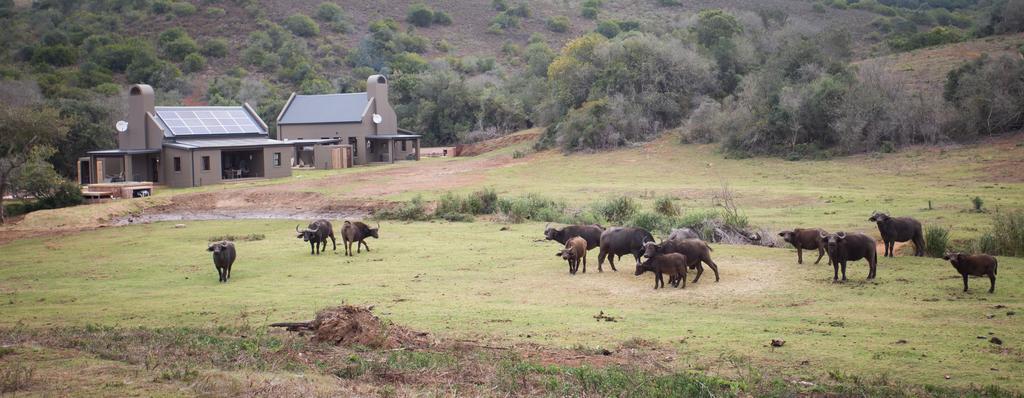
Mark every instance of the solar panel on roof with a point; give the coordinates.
(200, 121)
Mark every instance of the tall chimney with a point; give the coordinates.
(377, 90)
(141, 100)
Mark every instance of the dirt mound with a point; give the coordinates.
(350, 325)
(498, 143)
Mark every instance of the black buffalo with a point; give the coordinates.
(357, 232)
(683, 233)
(696, 252)
(899, 229)
(590, 233)
(316, 234)
(223, 257)
(843, 247)
(619, 241)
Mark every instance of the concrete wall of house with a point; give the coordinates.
(345, 131)
(213, 174)
(140, 169)
(181, 178)
(377, 92)
(274, 171)
(140, 101)
(154, 134)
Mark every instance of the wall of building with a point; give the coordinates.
(272, 171)
(176, 179)
(207, 176)
(344, 131)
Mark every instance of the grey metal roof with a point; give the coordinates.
(224, 143)
(207, 120)
(392, 136)
(313, 141)
(325, 108)
(123, 151)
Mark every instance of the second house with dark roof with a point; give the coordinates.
(364, 121)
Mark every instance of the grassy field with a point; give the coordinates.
(476, 281)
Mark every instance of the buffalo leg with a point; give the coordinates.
(657, 280)
(334, 244)
(228, 274)
(821, 253)
(835, 271)
(700, 271)
(600, 260)
(919, 246)
(965, 281)
(844, 269)
(714, 267)
(584, 263)
(992, 280)
(799, 255)
(364, 244)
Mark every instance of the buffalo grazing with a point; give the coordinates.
(619, 241)
(590, 233)
(316, 234)
(223, 257)
(843, 247)
(695, 250)
(899, 229)
(673, 264)
(357, 232)
(974, 265)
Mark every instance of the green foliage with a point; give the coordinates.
(442, 18)
(329, 12)
(499, 5)
(216, 47)
(618, 210)
(182, 9)
(215, 12)
(177, 44)
(936, 241)
(420, 15)
(609, 29)
(589, 12)
(57, 55)
(670, 2)
(484, 201)
(302, 25)
(666, 205)
(193, 63)
(531, 207)
(978, 204)
(413, 210)
(161, 6)
(988, 96)
(1008, 234)
(652, 222)
(557, 24)
(503, 21)
(935, 36)
(714, 26)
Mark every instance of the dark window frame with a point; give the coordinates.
(206, 163)
(403, 146)
(276, 159)
(177, 164)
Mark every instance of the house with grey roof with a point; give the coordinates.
(365, 122)
(187, 146)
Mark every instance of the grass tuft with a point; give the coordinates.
(936, 241)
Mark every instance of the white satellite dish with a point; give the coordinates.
(121, 126)
(377, 118)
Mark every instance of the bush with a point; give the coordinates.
(193, 63)
(216, 48)
(558, 24)
(986, 243)
(936, 241)
(302, 25)
(988, 96)
(935, 36)
(329, 12)
(667, 206)
(499, 5)
(978, 204)
(609, 29)
(652, 222)
(520, 10)
(420, 15)
(531, 207)
(504, 21)
(618, 210)
(484, 201)
(442, 18)
(670, 2)
(59, 55)
(161, 6)
(182, 9)
(1008, 234)
(215, 12)
(589, 12)
(413, 210)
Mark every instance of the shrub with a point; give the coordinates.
(978, 204)
(302, 25)
(667, 206)
(442, 18)
(520, 10)
(609, 29)
(484, 201)
(59, 55)
(935, 36)
(503, 21)
(531, 207)
(589, 12)
(15, 377)
(936, 241)
(193, 63)
(558, 24)
(670, 2)
(420, 15)
(1008, 234)
(215, 12)
(413, 210)
(986, 243)
(618, 210)
(499, 5)
(161, 6)
(216, 48)
(652, 222)
(329, 12)
(182, 9)
(988, 96)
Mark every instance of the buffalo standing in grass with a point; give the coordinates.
(316, 234)
(223, 258)
(619, 241)
(673, 264)
(590, 233)
(695, 250)
(974, 265)
(899, 229)
(683, 233)
(357, 232)
(575, 251)
(806, 239)
(843, 247)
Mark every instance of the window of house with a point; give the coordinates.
(177, 163)
(206, 163)
(277, 159)
(403, 145)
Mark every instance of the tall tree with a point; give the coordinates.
(25, 133)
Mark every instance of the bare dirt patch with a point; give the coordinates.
(500, 142)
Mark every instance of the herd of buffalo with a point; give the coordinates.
(682, 250)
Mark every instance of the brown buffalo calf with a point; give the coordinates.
(575, 251)
(806, 239)
(672, 264)
(974, 265)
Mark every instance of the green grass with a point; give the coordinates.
(477, 277)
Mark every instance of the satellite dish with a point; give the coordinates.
(377, 118)
(121, 126)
